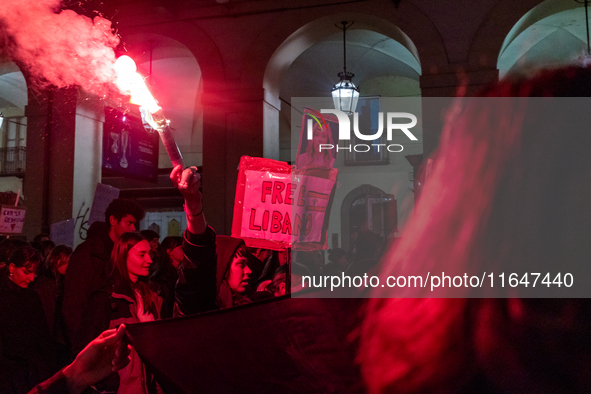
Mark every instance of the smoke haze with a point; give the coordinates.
(59, 48)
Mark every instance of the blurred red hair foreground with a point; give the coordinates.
(510, 190)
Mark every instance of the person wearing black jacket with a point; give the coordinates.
(90, 264)
(27, 355)
(196, 288)
(119, 301)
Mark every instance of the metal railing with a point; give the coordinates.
(12, 160)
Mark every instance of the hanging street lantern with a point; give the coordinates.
(345, 94)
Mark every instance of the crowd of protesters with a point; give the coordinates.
(59, 307)
(54, 301)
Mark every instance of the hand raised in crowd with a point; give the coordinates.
(188, 182)
(106, 354)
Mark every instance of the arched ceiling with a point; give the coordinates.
(175, 79)
(549, 40)
(369, 55)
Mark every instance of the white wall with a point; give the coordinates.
(87, 155)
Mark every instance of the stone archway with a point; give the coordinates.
(550, 34)
(319, 32)
(13, 128)
(175, 79)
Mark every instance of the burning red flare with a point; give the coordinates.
(132, 83)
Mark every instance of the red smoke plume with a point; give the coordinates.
(58, 48)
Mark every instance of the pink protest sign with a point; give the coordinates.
(12, 219)
(277, 209)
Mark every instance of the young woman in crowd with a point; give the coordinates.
(7, 247)
(27, 355)
(57, 261)
(128, 299)
(50, 284)
(509, 192)
(232, 272)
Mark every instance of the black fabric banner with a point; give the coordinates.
(287, 345)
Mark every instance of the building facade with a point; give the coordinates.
(225, 73)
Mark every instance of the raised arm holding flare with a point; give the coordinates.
(196, 288)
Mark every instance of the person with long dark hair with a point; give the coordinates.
(90, 265)
(128, 299)
(131, 259)
(509, 191)
(165, 272)
(27, 355)
(233, 272)
(50, 285)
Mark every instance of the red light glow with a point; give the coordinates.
(132, 83)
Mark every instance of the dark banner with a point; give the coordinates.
(128, 149)
(286, 345)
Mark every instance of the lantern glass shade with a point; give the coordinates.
(345, 94)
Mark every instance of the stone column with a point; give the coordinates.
(63, 157)
(233, 124)
(272, 108)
